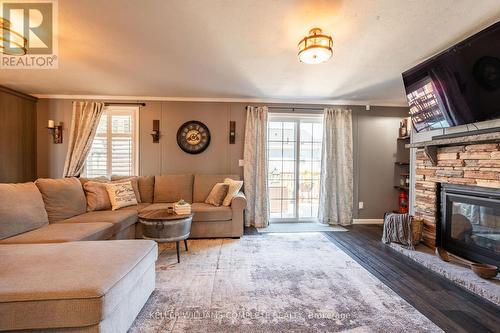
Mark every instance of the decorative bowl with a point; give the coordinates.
(485, 271)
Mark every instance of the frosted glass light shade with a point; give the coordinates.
(315, 48)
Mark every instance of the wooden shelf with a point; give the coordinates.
(404, 188)
(404, 137)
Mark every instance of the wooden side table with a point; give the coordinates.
(163, 226)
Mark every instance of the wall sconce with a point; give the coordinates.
(56, 131)
(156, 131)
(232, 132)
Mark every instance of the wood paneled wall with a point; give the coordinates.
(17, 136)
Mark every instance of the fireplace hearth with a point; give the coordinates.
(469, 223)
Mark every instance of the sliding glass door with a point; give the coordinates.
(294, 143)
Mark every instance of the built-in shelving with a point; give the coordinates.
(402, 165)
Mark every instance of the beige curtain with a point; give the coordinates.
(336, 188)
(255, 168)
(86, 116)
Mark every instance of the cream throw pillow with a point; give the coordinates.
(217, 194)
(121, 195)
(135, 184)
(234, 187)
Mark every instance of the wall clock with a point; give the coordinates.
(193, 137)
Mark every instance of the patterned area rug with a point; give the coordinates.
(272, 283)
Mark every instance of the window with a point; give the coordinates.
(294, 159)
(114, 149)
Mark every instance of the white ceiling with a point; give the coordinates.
(246, 49)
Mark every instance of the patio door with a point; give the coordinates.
(294, 159)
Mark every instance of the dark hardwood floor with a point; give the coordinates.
(449, 306)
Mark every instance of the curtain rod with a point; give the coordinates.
(293, 109)
(124, 104)
(288, 108)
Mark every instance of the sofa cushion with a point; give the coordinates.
(121, 219)
(67, 285)
(136, 208)
(61, 232)
(63, 198)
(21, 209)
(172, 188)
(206, 213)
(203, 184)
(146, 188)
(163, 205)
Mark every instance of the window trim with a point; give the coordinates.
(109, 111)
(296, 119)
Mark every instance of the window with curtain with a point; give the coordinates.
(114, 149)
(294, 164)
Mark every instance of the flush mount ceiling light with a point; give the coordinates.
(11, 42)
(315, 48)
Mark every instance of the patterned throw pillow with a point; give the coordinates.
(234, 187)
(217, 194)
(121, 195)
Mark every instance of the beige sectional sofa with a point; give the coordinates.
(66, 269)
(55, 210)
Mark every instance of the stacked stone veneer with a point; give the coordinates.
(476, 165)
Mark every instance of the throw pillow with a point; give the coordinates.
(234, 187)
(217, 194)
(135, 184)
(121, 195)
(97, 196)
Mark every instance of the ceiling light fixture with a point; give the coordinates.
(315, 48)
(8, 45)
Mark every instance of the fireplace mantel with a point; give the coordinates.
(468, 139)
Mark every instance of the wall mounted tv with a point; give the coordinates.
(458, 86)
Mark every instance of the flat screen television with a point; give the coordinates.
(459, 86)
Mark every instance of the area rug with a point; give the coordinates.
(272, 283)
(299, 227)
(455, 272)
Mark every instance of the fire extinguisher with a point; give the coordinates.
(403, 202)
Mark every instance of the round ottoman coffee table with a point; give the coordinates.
(163, 226)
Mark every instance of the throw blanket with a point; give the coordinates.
(397, 228)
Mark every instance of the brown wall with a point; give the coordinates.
(17, 137)
(374, 137)
(156, 158)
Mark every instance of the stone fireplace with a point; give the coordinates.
(471, 165)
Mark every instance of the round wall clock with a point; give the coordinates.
(193, 137)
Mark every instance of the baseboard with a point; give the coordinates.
(368, 221)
